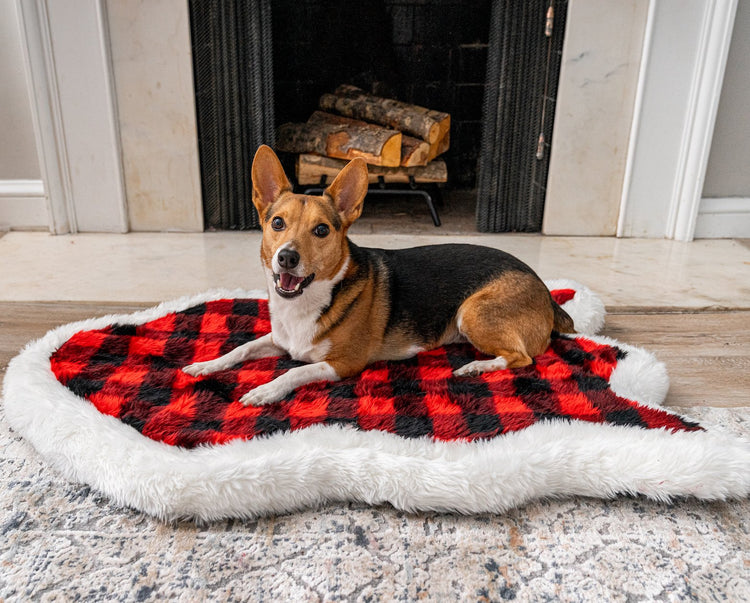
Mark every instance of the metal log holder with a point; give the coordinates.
(383, 188)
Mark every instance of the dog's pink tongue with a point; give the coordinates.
(289, 281)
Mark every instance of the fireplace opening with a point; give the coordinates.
(492, 65)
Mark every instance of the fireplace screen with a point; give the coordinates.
(492, 65)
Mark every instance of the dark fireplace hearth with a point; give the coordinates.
(489, 64)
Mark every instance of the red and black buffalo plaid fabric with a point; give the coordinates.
(132, 372)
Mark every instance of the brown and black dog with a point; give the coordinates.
(340, 307)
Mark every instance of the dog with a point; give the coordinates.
(339, 307)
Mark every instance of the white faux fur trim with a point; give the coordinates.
(586, 308)
(290, 471)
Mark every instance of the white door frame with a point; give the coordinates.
(66, 51)
(682, 70)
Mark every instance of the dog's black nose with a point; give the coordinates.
(288, 258)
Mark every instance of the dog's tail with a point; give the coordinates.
(563, 322)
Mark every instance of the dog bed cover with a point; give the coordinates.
(106, 403)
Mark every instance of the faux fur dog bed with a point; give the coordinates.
(105, 402)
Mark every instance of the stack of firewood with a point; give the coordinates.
(398, 140)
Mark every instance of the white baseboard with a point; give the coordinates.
(23, 205)
(723, 218)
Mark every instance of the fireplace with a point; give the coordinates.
(492, 66)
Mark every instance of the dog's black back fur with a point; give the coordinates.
(428, 284)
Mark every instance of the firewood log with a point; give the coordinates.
(416, 152)
(414, 120)
(342, 138)
(439, 147)
(311, 167)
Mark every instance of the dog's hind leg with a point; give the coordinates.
(510, 319)
(498, 363)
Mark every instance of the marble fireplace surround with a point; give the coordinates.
(115, 114)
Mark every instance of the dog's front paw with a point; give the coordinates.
(267, 393)
(198, 369)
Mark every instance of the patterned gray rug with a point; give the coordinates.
(62, 541)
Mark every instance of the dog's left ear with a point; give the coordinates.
(269, 179)
(348, 190)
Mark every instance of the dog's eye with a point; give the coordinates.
(278, 223)
(321, 230)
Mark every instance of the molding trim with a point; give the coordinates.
(637, 112)
(723, 217)
(120, 208)
(21, 188)
(75, 116)
(713, 50)
(23, 204)
(679, 90)
(46, 114)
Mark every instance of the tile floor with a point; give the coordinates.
(153, 267)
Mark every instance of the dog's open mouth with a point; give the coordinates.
(288, 285)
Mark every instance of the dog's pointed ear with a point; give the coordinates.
(269, 179)
(348, 190)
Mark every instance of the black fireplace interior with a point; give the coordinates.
(432, 54)
(489, 64)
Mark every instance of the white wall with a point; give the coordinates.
(725, 206)
(728, 173)
(22, 202)
(18, 159)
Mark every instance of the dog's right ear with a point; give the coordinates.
(269, 179)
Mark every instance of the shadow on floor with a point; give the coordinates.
(410, 215)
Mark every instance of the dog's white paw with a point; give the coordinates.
(268, 393)
(198, 369)
(477, 367)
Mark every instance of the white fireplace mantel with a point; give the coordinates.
(115, 116)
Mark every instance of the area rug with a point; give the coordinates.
(105, 402)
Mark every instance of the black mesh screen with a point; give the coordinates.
(511, 182)
(232, 64)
